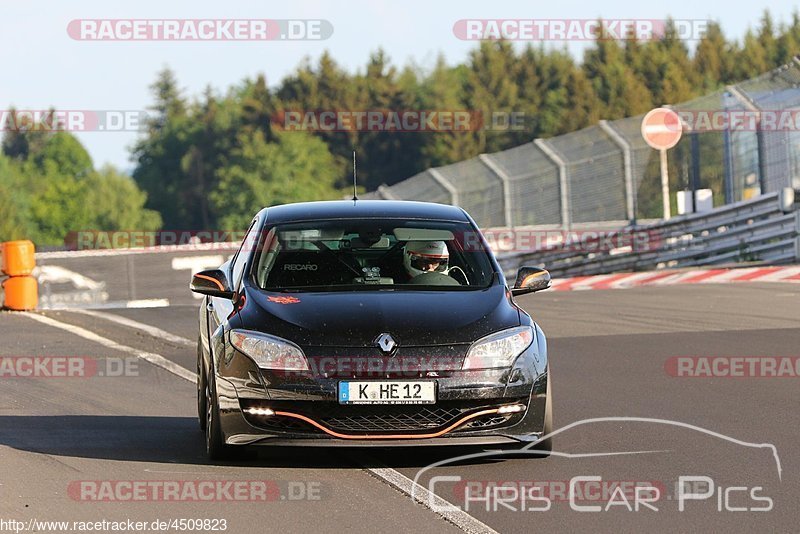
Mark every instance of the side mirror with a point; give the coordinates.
(212, 282)
(530, 279)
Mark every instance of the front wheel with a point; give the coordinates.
(546, 446)
(201, 388)
(216, 449)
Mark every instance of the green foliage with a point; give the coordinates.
(117, 203)
(297, 167)
(51, 189)
(14, 218)
(62, 153)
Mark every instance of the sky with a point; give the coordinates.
(43, 67)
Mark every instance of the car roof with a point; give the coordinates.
(363, 209)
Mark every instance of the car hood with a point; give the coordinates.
(355, 319)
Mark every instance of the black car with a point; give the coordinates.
(368, 323)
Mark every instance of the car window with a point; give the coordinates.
(372, 254)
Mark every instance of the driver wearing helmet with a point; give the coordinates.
(421, 257)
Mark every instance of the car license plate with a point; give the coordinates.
(387, 392)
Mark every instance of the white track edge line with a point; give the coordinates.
(431, 501)
(155, 359)
(124, 321)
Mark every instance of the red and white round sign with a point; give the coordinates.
(661, 128)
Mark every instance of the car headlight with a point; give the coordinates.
(269, 352)
(499, 349)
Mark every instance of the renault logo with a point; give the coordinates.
(386, 343)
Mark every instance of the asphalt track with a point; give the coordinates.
(609, 352)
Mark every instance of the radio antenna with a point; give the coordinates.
(355, 190)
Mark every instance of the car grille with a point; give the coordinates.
(487, 421)
(361, 419)
(417, 419)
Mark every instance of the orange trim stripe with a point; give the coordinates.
(219, 284)
(390, 436)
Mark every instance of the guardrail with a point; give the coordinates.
(765, 230)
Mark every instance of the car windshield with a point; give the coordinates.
(340, 255)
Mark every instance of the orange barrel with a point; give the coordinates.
(21, 293)
(18, 259)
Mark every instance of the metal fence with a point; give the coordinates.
(608, 173)
(764, 230)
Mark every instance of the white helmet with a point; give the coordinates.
(425, 256)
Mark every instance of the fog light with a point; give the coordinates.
(511, 408)
(259, 411)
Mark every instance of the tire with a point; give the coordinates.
(201, 387)
(216, 449)
(545, 447)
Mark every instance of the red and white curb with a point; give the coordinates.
(673, 277)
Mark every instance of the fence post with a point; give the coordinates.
(566, 205)
(797, 236)
(505, 180)
(761, 147)
(444, 182)
(625, 146)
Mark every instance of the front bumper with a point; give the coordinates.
(306, 412)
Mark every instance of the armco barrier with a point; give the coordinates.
(765, 230)
(20, 289)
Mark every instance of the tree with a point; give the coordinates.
(621, 92)
(582, 106)
(552, 76)
(444, 89)
(54, 190)
(297, 167)
(59, 205)
(788, 42)
(752, 59)
(713, 59)
(326, 88)
(66, 153)
(115, 203)
(15, 220)
(491, 88)
(160, 153)
(258, 107)
(21, 137)
(767, 40)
